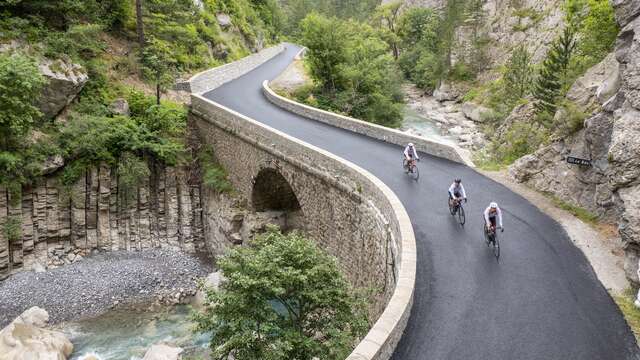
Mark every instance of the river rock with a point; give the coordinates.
(65, 81)
(446, 92)
(212, 281)
(474, 112)
(26, 338)
(163, 352)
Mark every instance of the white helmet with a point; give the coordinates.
(410, 144)
(493, 205)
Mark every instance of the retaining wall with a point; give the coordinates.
(213, 78)
(431, 147)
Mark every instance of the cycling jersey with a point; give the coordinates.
(490, 218)
(411, 153)
(457, 190)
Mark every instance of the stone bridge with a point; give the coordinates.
(346, 210)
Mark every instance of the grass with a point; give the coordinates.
(581, 213)
(630, 312)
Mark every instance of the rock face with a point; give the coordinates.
(474, 112)
(610, 139)
(224, 20)
(26, 338)
(119, 107)
(65, 80)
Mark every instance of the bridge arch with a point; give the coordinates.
(272, 192)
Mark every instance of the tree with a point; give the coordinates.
(518, 74)
(140, 23)
(553, 73)
(20, 85)
(387, 15)
(283, 298)
(158, 65)
(327, 43)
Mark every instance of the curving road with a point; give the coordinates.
(542, 301)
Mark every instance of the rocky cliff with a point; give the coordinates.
(610, 187)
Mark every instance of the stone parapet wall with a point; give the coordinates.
(57, 223)
(431, 147)
(348, 211)
(213, 78)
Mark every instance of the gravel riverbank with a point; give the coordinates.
(102, 281)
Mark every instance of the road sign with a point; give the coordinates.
(578, 161)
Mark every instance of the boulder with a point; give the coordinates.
(163, 352)
(224, 20)
(597, 85)
(26, 338)
(446, 92)
(212, 281)
(624, 151)
(119, 106)
(474, 112)
(64, 81)
(52, 163)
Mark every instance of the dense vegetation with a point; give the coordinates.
(121, 48)
(353, 70)
(283, 298)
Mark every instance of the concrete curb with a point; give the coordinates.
(431, 147)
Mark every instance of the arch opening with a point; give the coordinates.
(273, 196)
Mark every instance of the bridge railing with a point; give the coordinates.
(431, 147)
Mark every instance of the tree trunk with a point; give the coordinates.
(140, 23)
(158, 93)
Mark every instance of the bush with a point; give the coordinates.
(214, 176)
(569, 119)
(283, 298)
(132, 171)
(12, 228)
(520, 139)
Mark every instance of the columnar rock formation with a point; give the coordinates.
(57, 224)
(610, 139)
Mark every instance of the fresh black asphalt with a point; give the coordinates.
(541, 301)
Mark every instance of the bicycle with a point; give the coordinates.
(411, 168)
(491, 237)
(455, 207)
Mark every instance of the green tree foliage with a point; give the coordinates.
(386, 17)
(296, 10)
(20, 84)
(421, 57)
(553, 73)
(283, 298)
(158, 65)
(355, 73)
(518, 74)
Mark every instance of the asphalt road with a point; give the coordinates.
(541, 301)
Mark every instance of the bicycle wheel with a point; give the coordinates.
(496, 247)
(461, 217)
(452, 208)
(415, 173)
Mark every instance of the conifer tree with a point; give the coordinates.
(552, 75)
(518, 74)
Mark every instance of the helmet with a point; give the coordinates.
(458, 180)
(493, 205)
(410, 145)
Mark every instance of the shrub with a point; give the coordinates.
(520, 139)
(569, 119)
(283, 298)
(214, 176)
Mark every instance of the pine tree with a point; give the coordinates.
(552, 75)
(518, 74)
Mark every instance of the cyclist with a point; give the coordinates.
(410, 153)
(456, 192)
(493, 217)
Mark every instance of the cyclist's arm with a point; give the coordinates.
(464, 194)
(415, 153)
(451, 191)
(486, 216)
(406, 153)
(500, 217)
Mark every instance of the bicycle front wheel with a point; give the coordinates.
(496, 247)
(415, 173)
(461, 217)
